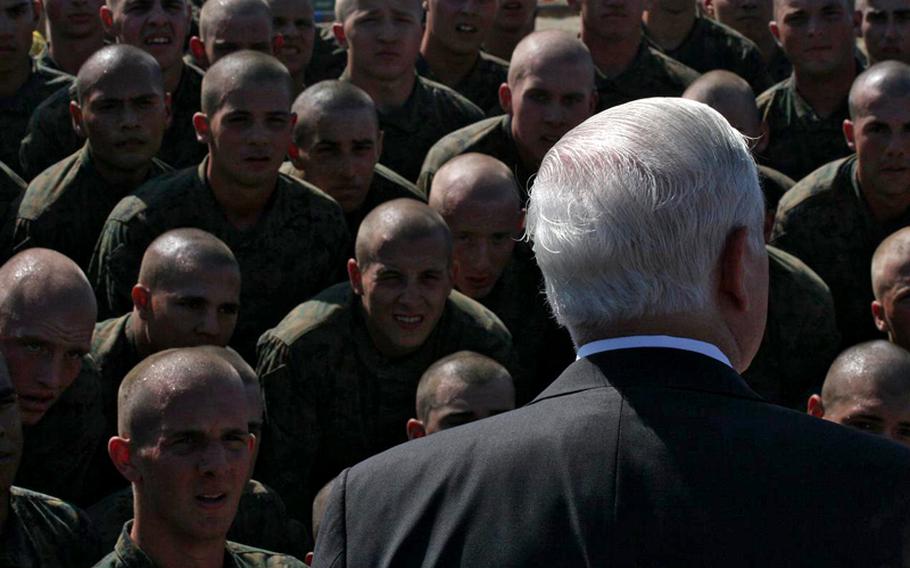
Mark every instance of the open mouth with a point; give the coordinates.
(211, 499)
(466, 28)
(409, 322)
(157, 41)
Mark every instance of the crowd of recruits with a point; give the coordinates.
(360, 157)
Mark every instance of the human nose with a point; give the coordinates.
(209, 323)
(213, 459)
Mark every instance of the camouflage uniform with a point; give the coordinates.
(332, 399)
(491, 136)
(44, 59)
(65, 207)
(44, 532)
(801, 338)
(711, 45)
(481, 84)
(261, 520)
(799, 141)
(774, 185)
(825, 222)
(295, 250)
(11, 189)
(60, 450)
(51, 137)
(127, 555)
(543, 348)
(385, 186)
(329, 59)
(16, 110)
(431, 111)
(651, 74)
(115, 354)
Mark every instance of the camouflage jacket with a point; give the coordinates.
(431, 111)
(65, 207)
(332, 399)
(491, 136)
(127, 555)
(329, 59)
(115, 354)
(711, 45)
(261, 520)
(774, 185)
(44, 532)
(51, 137)
(825, 222)
(801, 338)
(481, 84)
(296, 249)
(799, 141)
(44, 59)
(15, 111)
(11, 189)
(651, 74)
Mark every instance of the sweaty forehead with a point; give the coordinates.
(397, 251)
(126, 83)
(345, 123)
(408, 6)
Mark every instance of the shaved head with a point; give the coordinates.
(397, 221)
(461, 368)
(545, 50)
(730, 95)
(473, 177)
(216, 13)
(325, 99)
(177, 255)
(242, 70)
(891, 258)
(875, 368)
(118, 62)
(888, 79)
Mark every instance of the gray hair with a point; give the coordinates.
(631, 209)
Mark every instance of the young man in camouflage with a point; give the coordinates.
(383, 41)
(890, 269)
(340, 372)
(835, 218)
(804, 114)
(35, 529)
(158, 27)
(885, 29)
(73, 32)
(289, 238)
(23, 83)
(122, 111)
(185, 446)
(750, 18)
(226, 26)
(628, 68)
(450, 51)
(550, 90)
(702, 43)
(337, 143)
(294, 20)
(479, 200)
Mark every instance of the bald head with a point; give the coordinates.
(396, 222)
(216, 14)
(731, 96)
(891, 260)
(242, 70)
(180, 254)
(118, 62)
(885, 80)
(875, 369)
(461, 370)
(344, 8)
(326, 99)
(548, 49)
(476, 178)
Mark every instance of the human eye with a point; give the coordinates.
(230, 309)
(191, 303)
(865, 425)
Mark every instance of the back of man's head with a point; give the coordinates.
(630, 222)
(226, 26)
(730, 95)
(888, 80)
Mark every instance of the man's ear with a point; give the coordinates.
(815, 407)
(878, 316)
(775, 31)
(849, 134)
(505, 98)
(522, 217)
(121, 453)
(107, 19)
(201, 124)
(709, 7)
(416, 429)
(733, 273)
(197, 48)
(338, 32)
(76, 118)
(142, 300)
(277, 43)
(355, 276)
(308, 559)
(294, 155)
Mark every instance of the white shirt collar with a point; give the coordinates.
(665, 341)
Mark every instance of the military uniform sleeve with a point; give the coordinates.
(114, 268)
(50, 136)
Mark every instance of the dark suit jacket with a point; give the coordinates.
(638, 457)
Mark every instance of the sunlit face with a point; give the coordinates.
(870, 411)
(44, 351)
(10, 432)
(881, 139)
(199, 310)
(293, 19)
(192, 469)
(514, 15)
(18, 19)
(885, 28)
(339, 155)
(546, 103)
(382, 38)
(460, 25)
(816, 35)
(483, 235)
(249, 134)
(403, 292)
(124, 117)
(74, 19)
(612, 19)
(231, 34)
(748, 17)
(159, 27)
(458, 403)
(891, 308)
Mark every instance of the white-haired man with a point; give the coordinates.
(650, 450)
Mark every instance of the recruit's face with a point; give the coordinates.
(870, 411)
(339, 155)
(886, 29)
(383, 37)
(201, 310)
(817, 35)
(74, 19)
(195, 463)
(159, 27)
(612, 19)
(881, 138)
(748, 17)
(230, 34)
(293, 19)
(891, 311)
(458, 403)
(404, 291)
(514, 15)
(460, 25)
(250, 133)
(10, 431)
(18, 19)
(124, 117)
